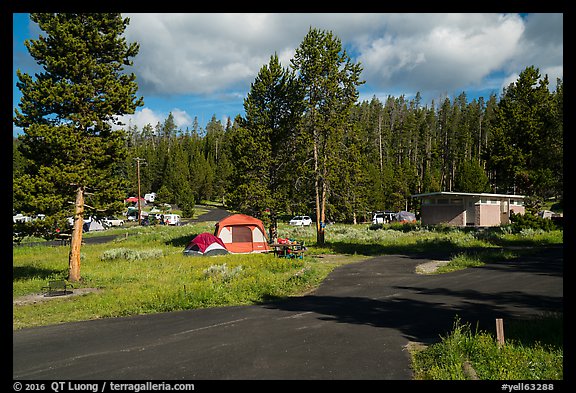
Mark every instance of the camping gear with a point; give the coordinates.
(242, 234)
(92, 225)
(205, 244)
(288, 248)
(405, 217)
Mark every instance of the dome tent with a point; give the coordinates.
(205, 244)
(242, 234)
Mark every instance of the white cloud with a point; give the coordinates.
(511, 78)
(181, 118)
(206, 54)
(145, 116)
(453, 51)
(141, 118)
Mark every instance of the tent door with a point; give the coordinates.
(242, 234)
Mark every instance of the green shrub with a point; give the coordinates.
(222, 272)
(130, 254)
(522, 222)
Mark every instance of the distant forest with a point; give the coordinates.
(388, 151)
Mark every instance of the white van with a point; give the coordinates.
(385, 217)
(172, 219)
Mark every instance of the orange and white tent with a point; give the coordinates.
(242, 234)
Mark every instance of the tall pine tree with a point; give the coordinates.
(330, 81)
(263, 145)
(67, 113)
(525, 152)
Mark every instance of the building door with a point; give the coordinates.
(470, 212)
(504, 216)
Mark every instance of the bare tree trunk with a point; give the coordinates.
(76, 241)
(321, 235)
(319, 210)
(380, 142)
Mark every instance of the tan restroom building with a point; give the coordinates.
(469, 209)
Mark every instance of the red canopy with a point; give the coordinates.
(133, 199)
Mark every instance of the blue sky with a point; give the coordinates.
(202, 65)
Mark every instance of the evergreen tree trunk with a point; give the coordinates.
(319, 210)
(76, 241)
(67, 113)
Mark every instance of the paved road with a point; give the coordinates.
(355, 326)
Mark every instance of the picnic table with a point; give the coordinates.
(288, 250)
(64, 238)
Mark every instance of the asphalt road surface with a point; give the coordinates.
(356, 325)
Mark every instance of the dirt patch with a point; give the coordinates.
(430, 267)
(424, 268)
(339, 258)
(40, 297)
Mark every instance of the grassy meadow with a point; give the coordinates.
(144, 271)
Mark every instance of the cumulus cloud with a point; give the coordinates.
(141, 118)
(448, 52)
(207, 53)
(146, 116)
(204, 63)
(212, 53)
(199, 53)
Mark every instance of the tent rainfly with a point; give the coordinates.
(205, 244)
(242, 234)
(92, 225)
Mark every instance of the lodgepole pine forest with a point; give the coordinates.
(307, 143)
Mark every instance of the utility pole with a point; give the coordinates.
(138, 159)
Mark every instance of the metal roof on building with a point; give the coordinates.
(473, 194)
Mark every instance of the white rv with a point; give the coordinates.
(150, 197)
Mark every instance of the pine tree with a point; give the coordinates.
(330, 81)
(263, 145)
(525, 140)
(67, 113)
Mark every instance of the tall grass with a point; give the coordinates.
(533, 351)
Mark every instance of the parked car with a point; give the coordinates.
(112, 222)
(301, 221)
(383, 217)
(20, 218)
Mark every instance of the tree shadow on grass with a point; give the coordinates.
(433, 248)
(181, 241)
(22, 273)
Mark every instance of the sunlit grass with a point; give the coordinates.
(532, 351)
(144, 270)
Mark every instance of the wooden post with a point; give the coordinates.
(500, 331)
(76, 238)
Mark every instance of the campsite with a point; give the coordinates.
(144, 270)
(466, 173)
(150, 261)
